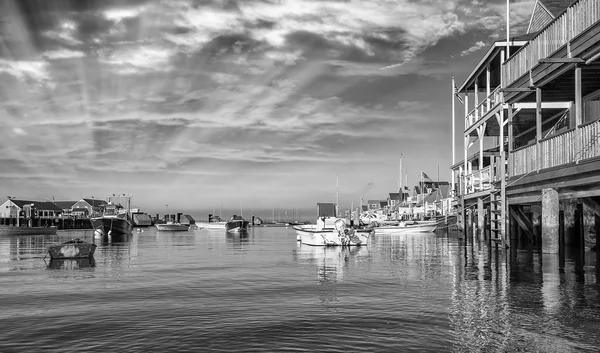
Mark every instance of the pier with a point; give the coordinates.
(532, 107)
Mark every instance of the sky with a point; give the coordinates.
(258, 104)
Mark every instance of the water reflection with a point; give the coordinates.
(333, 262)
(71, 264)
(521, 299)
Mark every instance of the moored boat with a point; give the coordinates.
(72, 249)
(409, 227)
(115, 221)
(236, 224)
(172, 227)
(331, 231)
(13, 230)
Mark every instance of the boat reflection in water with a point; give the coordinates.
(332, 261)
(71, 264)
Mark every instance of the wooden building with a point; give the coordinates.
(533, 105)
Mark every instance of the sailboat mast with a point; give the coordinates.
(400, 184)
(337, 194)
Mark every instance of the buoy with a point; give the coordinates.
(98, 233)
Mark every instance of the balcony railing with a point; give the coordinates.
(579, 17)
(590, 140)
(479, 180)
(558, 149)
(485, 106)
(523, 160)
(568, 147)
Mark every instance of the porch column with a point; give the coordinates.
(476, 97)
(488, 87)
(578, 114)
(510, 139)
(465, 169)
(467, 120)
(481, 132)
(538, 128)
(550, 221)
(480, 219)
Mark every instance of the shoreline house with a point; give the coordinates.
(532, 115)
(88, 207)
(14, 208)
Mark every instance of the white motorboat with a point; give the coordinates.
(409, 227)
(172, 227)
(331, 231)
(211, 225)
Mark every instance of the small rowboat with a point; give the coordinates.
(72, 249)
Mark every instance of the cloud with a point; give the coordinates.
(63, 54)
(472, 49)
(35, 70)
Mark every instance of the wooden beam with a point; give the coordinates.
(513, 90)
(545, 105)
(538, 130)
(522, 221)
(592, 203)
(561, 61)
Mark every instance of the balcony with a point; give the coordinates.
(479, 180)
(567, 147)
(574, 21)
(488, 104)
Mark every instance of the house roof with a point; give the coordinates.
(373, 201)
(394, 196)
(64, 205)
(556, 7)
(95, 203)
(39, 205)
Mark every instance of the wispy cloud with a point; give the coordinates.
(183, 94)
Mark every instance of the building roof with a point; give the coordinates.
(395, 196)
(39, 205)
(556, 7)
(65, 205)
(95, 202)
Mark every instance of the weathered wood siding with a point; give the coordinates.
(539, 19)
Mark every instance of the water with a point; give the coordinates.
(207, 291)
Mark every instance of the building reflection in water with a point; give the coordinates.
(521, 299)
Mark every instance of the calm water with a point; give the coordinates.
(207, 291)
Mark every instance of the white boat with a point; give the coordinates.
(409, 227)
(211, 225)
(331, 231)
(172, 227)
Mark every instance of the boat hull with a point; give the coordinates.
(172, 227)
(12, 230)
(72, 250)
(211, 225)
(112, 225)
(417, 227)
(236, 226)
(307, 234)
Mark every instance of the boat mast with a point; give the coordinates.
(400, 184)
(337, 194)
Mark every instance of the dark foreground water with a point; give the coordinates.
(206, 291)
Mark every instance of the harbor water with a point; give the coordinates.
(204, 291)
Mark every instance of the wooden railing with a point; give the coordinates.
(558, 149)
(567, 147)
(575, 20)
(479, 180)
(523, 160)
(590, 144)
(485, 106)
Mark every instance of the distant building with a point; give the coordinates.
(94, 207)
(13, 208)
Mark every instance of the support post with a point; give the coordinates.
(510, 139)
(550, 221)
(488, 87)
(538, 128)
(578, 115)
